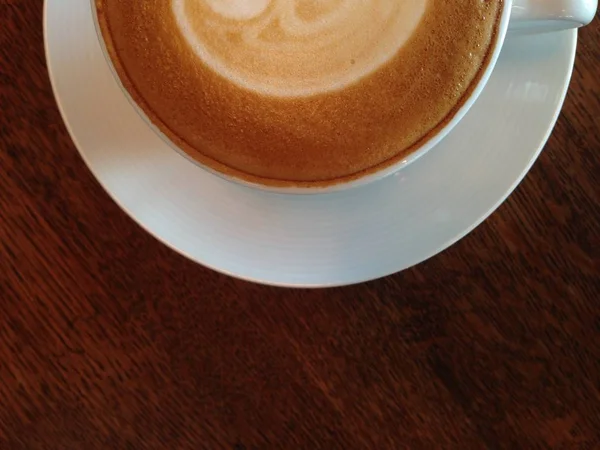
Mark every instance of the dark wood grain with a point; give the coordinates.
(110, 340)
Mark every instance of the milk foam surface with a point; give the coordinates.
(304, 92)
(295, 48)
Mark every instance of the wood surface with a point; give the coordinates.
(108, 339)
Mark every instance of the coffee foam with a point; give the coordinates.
(294, 48)
(309, 140)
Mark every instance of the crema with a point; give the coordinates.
(299, 92)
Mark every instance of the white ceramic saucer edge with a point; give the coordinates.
(290, 281)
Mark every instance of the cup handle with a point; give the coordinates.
(540, 16)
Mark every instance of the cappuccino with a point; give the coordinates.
(299, 92)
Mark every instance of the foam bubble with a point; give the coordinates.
(293, 48)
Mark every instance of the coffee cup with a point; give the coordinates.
(312, 96)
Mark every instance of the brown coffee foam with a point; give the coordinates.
(320, 140)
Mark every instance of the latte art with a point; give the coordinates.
(295, 48)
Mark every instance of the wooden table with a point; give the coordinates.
(110, 340)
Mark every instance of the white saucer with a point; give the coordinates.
(319, 240)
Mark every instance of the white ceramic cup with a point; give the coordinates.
(518, 17)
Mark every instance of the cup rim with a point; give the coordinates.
(314, 187)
